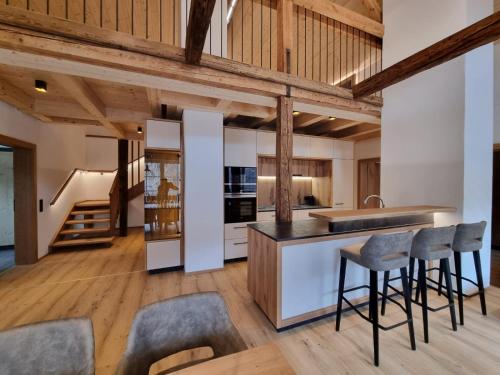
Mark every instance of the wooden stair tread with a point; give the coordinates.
(87, 221)
(83, 241)
(90, 212)
(94, 203)
(84, 231)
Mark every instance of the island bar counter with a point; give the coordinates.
(293, 268)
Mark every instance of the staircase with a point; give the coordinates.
(88, 223)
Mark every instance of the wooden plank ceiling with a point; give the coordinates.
(125, 107)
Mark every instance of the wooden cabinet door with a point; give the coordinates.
(301, 146)
(321, 148)
(240, 148)
(343, 149)
(343, 181)
(266, 143)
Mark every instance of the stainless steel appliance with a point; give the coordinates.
(240, 194)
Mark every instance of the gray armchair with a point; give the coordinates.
(181, 323)
(58, 347)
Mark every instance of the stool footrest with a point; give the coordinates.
(385, 328)
(454, 291)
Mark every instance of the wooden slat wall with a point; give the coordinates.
(323, 50)
(157, 20)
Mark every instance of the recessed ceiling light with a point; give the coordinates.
(296, 113)
(40, 86)
(332, 118)
(139, 129)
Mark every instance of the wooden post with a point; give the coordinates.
(284, 153)
(123, 185)
(200, 16)
(285, 34)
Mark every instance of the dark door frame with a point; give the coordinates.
(25, 197)
(358, 187)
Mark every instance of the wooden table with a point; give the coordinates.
(262, 360)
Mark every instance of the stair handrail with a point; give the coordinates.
(73, 172)
(70, 177)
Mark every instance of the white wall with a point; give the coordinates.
(367, 149)
(101, 153)
(436, 125)
(6, 198)
(203, 190)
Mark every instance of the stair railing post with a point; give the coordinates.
(123, 185)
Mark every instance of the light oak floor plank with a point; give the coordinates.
(109, 286)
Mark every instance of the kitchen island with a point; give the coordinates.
(293, 267)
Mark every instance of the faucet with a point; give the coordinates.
(376, 197)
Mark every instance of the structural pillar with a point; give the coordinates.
(284, 154)
(123, 184)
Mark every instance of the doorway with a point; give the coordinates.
(6, 208)
(22, 211)
(368, 182)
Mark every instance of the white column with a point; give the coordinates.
(203, 190)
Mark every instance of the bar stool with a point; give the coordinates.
(468, 238)
(429, 244)
(380, 253)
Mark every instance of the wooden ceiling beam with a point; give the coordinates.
(20, 100)
(71, 42)
(366, 134)
(83, 94)
(74, 121)
(347, 126)
(330, 9)
(480, 33)
(200, 16)
(306, 119)
(374, 9)
(346, 134)
(154, 102)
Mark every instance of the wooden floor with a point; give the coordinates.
(108, 285)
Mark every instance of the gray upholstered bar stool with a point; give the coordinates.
(429, 244)
(468, 238)
(380, 253)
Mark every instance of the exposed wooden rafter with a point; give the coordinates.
(19, 99)
(480, 33)
(200, 16)
(154, 101)
(49, 36)
(305, 120)
(330, 9)
(374, 9)
(88, 99)
(347, 134)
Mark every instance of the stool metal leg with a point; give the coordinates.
(387, 274)
(340, 293)
(422, 281)
(407, 295)
(374, 313)
(449, 290)
(412, 271)
(458, 273)
(479, 275)
(440, 284)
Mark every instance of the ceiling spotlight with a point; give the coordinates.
(296, 113)
(332, 118)
(139, 129)
(40, 86)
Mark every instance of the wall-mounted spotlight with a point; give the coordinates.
(40, 86)
(332, 118)
(296, 113)
(139, 129)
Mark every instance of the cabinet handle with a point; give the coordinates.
(240, 243)
(339, 204)
(239, 227)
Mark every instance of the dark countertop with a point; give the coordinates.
(296, 230)
(299, 207)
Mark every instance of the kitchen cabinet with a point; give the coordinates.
(301, 146)
(164, 135)
(321, 148)
(163, 254)
(240, 148)
(343, 183)
(343, 149)
(235, 240)
(266, 143)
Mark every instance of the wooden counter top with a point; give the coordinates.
(377, 213)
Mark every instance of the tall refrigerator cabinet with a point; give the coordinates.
(163, 196)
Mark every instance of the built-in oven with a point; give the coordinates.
(240, 194)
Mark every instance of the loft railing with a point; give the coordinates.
(323, 49)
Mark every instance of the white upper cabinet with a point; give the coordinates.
(343, 149)
(301, 146)
(240, 148)
(163, 134)
(266, 143)
(343, 183)
(322, 148)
